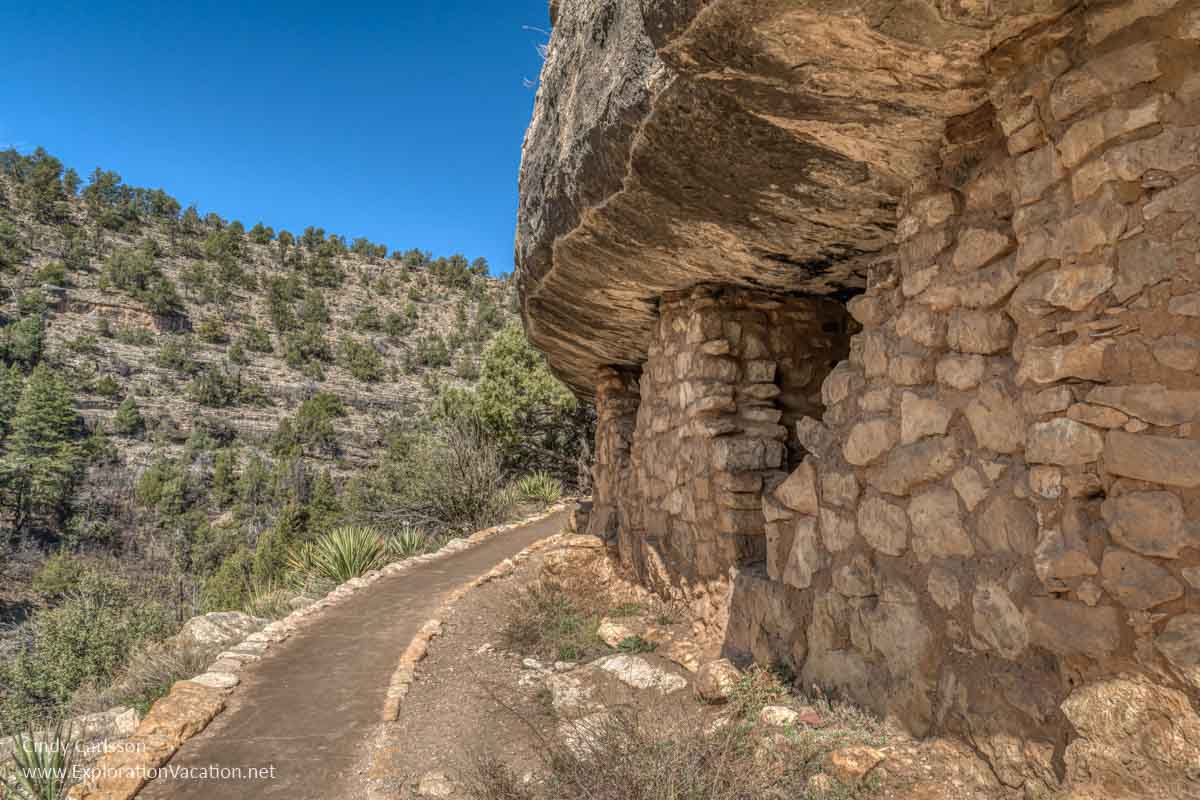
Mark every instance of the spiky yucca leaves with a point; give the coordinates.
(540, 486)
(407, 542)
(41, 765)
(343, 553)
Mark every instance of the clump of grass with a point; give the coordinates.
(268, 599)
(343, 553)
(635, 644)
(622, 756)
(550, 623)
(540, 487)
(149, 674)
(757, 688)
(42, 765)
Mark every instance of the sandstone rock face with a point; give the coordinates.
(970, 498)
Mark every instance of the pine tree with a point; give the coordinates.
(43, 456)
(128, 419)
(11, 381)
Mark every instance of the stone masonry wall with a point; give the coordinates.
(996, 529)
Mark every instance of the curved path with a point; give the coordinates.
(309, 707)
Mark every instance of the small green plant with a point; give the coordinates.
(541, 487)
(635, 644)
(407, 542)
(42, 765)
(343, 553)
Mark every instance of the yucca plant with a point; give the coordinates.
(42, 763)
(540, 486)
(407, 542)
(343, 553)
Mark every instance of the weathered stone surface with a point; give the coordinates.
(799, 491)
(218, 629)
(998, 621)
(884, 525)
(805, 557)
(1063, 441)
(638, 673)
(921, 417)
(1135, 739)
(960, 372)
(1179, 643)
(633, 96)
(1097, 416)
(1070, 629)
(943, 588)
(969, 486)
(851, 764)
(996, 419)
(911, 465)
(1158, 459)
(1061, 556)
(1153, 402)
(716, 680)
(1102, 76)
(1178, 352)
(982, 332)
(839, 489)
(1150, 523)
(937, 526)
(1137, 582)
(869, 440)
(837, 530)
(1051, 364)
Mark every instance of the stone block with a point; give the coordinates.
(1153, 403)
(799, 491)
(921, 417)
(980, 332)
(996, 419)
(1072, 629)
(960, 372)
(837, 530)
(1007, 525)
(1063, 441)
(998, 621)
(1137, 582)
(869, 440)
(805, 558)
(1083, 360)
(910, 465)
(937, 526)
(1103, 76)
(1150, 523)
(884, 525)
(1157, 459)
(979, 246)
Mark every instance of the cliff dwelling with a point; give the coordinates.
(891, 315)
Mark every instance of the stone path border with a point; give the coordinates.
(193, 703)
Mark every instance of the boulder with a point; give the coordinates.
(716, 680)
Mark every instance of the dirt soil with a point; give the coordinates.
(472, 697)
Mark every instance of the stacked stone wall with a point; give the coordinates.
(994, 525)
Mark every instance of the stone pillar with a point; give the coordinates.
(616, 414)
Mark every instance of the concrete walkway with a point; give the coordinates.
(307, 709)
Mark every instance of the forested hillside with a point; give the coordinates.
(185, 401)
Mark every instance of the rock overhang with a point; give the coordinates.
(761, 144)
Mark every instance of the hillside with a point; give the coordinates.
(185, 403)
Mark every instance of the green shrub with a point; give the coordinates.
(212, 330)
(135, 271)
(256, 339)
(360, 360)
(228, 588)
(128, 420)
(343, 553)
(106, 386)
(54, 273)
(137, 337)
(541, 487)
(60, 574)
(86, 638)
(21, 342)
(176, 354)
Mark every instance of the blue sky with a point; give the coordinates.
(397, 121)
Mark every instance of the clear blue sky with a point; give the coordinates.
(399, 121)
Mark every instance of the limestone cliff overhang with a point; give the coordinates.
(761, 143)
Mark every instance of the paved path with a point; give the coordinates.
(309, 706)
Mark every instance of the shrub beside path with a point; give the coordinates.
(302, 716)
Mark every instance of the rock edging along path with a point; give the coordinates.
(306, 707)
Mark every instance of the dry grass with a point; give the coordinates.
(551, 623)
(625, 757)
(149, 674)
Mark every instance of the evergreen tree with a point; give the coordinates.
(42, 453)
(128, 419)
(11, 381)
